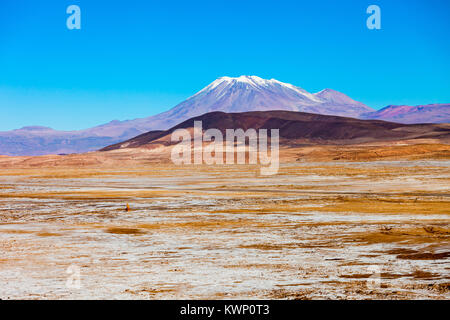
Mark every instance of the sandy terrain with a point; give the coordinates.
(370, 230)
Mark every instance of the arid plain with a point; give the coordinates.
(372, 227)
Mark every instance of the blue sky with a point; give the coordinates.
(138, 58)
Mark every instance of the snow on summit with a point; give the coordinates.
(226, 94)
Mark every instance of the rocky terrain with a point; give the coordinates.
(317, 230)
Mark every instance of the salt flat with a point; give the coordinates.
(376, 230)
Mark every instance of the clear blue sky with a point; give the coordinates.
(137, 58)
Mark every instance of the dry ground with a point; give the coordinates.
(344, 230)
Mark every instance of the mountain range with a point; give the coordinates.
(297, 129)
(226, 94)
(431, 113)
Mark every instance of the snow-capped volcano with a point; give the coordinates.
(252, 93)
(222, 85)
(241, 94)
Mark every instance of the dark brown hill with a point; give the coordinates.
(299, 127)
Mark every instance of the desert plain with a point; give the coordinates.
(334, 223)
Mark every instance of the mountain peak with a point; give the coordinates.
(243, 78)
(250, 80)
(256, 83)
(252, 93)
(338, 98)
(35, 128)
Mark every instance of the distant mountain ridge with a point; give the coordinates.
(431, 113)
(225, 94)
(296, 128)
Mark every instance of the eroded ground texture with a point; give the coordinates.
(345, 230)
